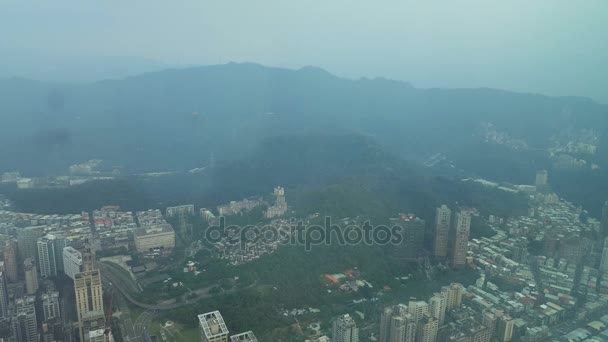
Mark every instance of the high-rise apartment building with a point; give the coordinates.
(72, 262)
(412, 232)
(3, 297)
(453, 295)
(443, 215)
(47, 259)
(31, 276)
(24, 324)
(50, 305)
(505, 328)
(10, 260)
(212, 327)
(417, 308)
(604, 257)
(437, 307)
(604, 221)
(397, 324)
(344, 329)
(427, 329)
(27, 238)
(462, 228)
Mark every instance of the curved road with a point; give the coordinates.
(172, 304)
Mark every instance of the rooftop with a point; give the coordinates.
(213, 324)
(247, 336)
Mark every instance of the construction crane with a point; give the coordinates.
(108, 330)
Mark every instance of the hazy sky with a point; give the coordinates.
(557, 47)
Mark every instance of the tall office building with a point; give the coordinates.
(89, 294)
(72, 262)
(345, 329)
(427, 329)
(412, 232)
(604, 257)
(3, 297)
(247, 336)
(437, 307)
(60, 243)
(27, 238)
(443, 215)
(10, 260)
(46, 256)
(50, 305)
(31, 276)
(462, 228)
(24, 324)
(604, 221)
(453, 295)
(212, 327)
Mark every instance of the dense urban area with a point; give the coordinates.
(113, 275)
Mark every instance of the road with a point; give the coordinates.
(126, 324)
(119, 284)
(142, 324)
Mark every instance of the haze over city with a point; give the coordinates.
(312, 171)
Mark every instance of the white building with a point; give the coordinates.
(50, 305)
(72, 261)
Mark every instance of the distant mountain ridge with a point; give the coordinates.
(174, 119)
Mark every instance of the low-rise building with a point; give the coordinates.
(150, 238)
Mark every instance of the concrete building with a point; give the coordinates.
(247, 336)
(4, 303)
(187, 209)
(24, 324)
(31, 276)
(542, 179)
(443, 215)
(412, 232)
(47, 259)
(604, 221)
(280, 204)
(89, 294)
(72, 261)
(27, 239)
(97, 335)
(437, 307)
(10, 261)
(50, 305)
(150, 238)
(212, 327)
(25, 183)
(427, 329)
(462, 228)
(345, 329)
(453, 295)
(604, 257)
(417, 308)
(504, 329)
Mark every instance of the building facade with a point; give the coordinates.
(31, 276)
(462, 228)
(10, 261)
(345, 329)
(46, 256)
(443, 215)
(72, 262)
(24, 324)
